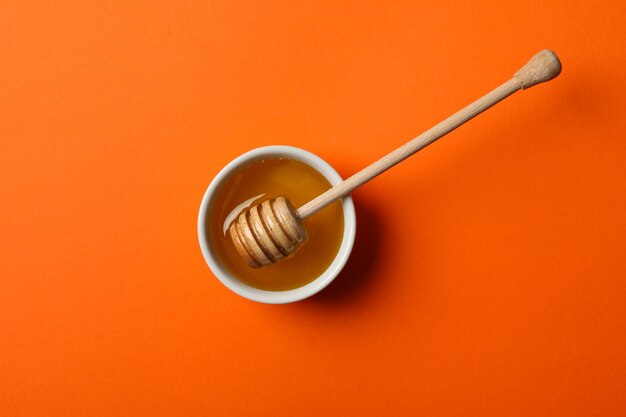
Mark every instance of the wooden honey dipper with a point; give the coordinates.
(272, 230)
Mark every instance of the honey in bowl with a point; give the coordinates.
(267, 179)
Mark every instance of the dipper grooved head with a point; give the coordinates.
(268, 232)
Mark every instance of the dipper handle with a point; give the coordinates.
(542, 67)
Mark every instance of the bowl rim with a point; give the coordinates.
(296, 294)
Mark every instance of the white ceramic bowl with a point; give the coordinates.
(276, 297)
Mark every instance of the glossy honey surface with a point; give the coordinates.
(298, 182)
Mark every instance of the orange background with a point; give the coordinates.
(488, 276)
